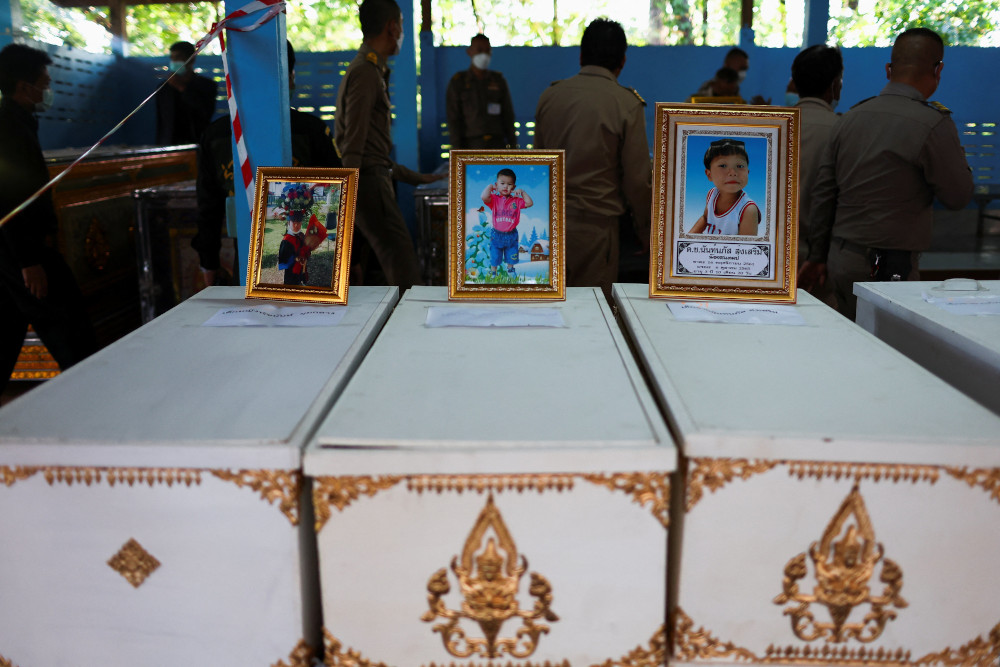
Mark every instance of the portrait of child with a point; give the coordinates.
(729, 210)
(507, 224)
(506, 202)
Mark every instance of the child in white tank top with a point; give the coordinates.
(729, 211)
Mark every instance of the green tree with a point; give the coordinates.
(877, 22)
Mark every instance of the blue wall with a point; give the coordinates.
(672, 73)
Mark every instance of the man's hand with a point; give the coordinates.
(36, 281)
(760, 101)
(430, 178)
(812, 276)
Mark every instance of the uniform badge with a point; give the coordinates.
(940, 107)
(372, 57)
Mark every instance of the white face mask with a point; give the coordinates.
(48, 96)
(399, 41)
(481, 61)
(742, 74)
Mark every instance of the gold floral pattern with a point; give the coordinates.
(690, 644)
(342, 491)
(644, 487)
(988, 479)
(844, 563)
(281, 486)
(489, 575)
(335, 655)
(8, 476)
(489, 483)
(653, 656)
(301, 656)
(713, 474)
(876, 472)
(134, 563)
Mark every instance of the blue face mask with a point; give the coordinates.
(48, 96)
(178, 67)
(791, 99)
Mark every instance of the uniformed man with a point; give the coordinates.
(312, 146)
(37, 287)
(889, 157)
(480, 113)
(363, 138)
(602, 127)
(187, 103)
(817, 76)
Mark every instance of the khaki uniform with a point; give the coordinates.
(480, 113)
(362, 133)
(888, 158)
(602, 127)
(817, 120)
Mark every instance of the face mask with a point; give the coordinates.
(48, 96)
(178, 67)
(791, 99)
(399, 41)
(481, 61)
(834, 102)
(742, 74)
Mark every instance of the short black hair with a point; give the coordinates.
(507, 172)
(376, 14)
(290, 52)
(815, 69)
(727, 74)
(724, 147)
(19, 62)
(186, 49)
(603, 44)
(921, 32)
(478, 35)
(736, 51)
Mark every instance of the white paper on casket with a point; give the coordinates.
(545, 440)
(962, 350)
(150, 510)
(817, 456)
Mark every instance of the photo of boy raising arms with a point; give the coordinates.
(729, 211)
(506, 203)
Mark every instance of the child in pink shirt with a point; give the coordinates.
(506, 203)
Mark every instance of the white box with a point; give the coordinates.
(795, 439)
(184, 443)
(545, 440)
(962, 350)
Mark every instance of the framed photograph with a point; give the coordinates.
(725, 202)
(711, 99)
(303, 222)
(505, 226)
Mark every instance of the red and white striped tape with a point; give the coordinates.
(273, 8)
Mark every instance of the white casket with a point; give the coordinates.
(494, 496)
(841, 503)
(963, 350)
(150, 499)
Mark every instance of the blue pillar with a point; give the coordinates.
(430, 150)
(258, 68)
(746, 38)
(404, 96)
(817, 19)
(8, 10)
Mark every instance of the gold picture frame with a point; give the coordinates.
(713, 99)
(303, 223)
(526, 189)
(698, 253)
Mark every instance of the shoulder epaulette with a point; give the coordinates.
(372, 57)
(555, 82)
(867, 99)
(937, 105)
(636, 93)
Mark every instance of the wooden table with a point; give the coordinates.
(962, 350)
(150, 506)
(826, 478)
(455, 452)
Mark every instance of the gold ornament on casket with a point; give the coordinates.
(489, 575)
(844, 563)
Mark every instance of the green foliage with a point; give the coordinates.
(151, 29)
(877, 22)
(45, 22)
